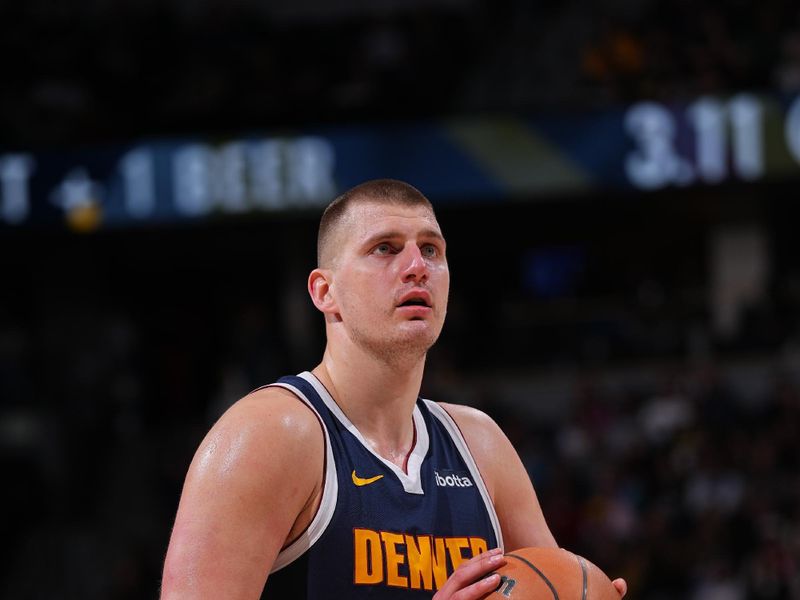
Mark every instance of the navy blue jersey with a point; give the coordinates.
(381, 532)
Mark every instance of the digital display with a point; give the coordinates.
(644, 147)
(163, 182)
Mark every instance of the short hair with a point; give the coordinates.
(381, 191)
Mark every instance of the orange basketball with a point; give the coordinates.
(551, 573)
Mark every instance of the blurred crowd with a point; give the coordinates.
(677, 49)
(682, 488)
(77, 72)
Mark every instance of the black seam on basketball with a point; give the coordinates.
(538, 572)
(585, 577)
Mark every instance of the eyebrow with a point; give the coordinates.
(392, 234)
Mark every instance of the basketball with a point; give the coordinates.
(543, 573)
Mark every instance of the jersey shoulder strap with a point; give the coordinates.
(306, 393)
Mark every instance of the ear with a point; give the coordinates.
(320, 282)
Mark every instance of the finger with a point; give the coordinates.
(468, 572)
(478, 566)
(478, 590)
(621, 586)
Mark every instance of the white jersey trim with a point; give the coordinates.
(412, 480)
(458, 439)
(330, 493)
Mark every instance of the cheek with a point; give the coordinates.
(442, 278)
(361, 293)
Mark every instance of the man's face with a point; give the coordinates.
(390, 278)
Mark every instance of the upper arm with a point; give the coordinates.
(508, 483)
(256, 471)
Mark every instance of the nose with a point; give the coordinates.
(413, 266)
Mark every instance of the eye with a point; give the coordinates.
(382, 249)
(429, 251)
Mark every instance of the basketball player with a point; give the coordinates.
(341, 483)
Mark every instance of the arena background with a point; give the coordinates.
(618, 184)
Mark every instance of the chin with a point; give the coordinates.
(412, 343)
(419, 338)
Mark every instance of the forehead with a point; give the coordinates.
(367, 219)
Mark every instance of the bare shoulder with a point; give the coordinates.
(480, 431)
(254, 481)
(468, 414)
(271, 411)
(262, 426)
(259, 441)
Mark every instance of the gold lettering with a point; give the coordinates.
(455, 546)
(439, 562)
(368, 557)
(478, 545)
(427, 558)
(393, 559)
(419, 561)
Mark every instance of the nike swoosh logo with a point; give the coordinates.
(359, 481)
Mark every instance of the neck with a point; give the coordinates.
(376, 396)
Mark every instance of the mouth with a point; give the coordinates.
(416, 305)
(416, 302)
(417, 298)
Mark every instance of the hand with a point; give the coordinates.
(462, 584)
(621, 585)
